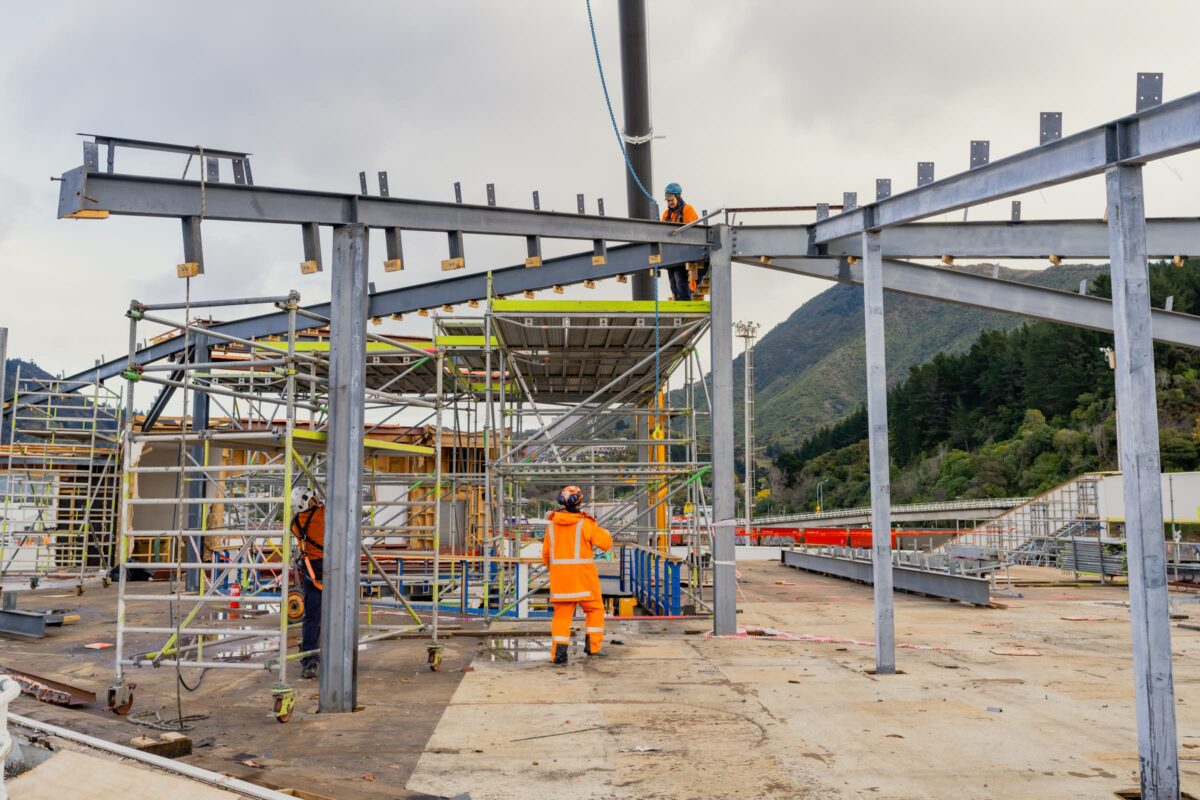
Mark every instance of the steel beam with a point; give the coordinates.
(965, 288)
(877, 436)
(1081, 238)
(343, 511)
(22, 623)
(138, 195)
(459, 289)
(724, 507)
(1137, 443)
(1154, 133)
(904, 579)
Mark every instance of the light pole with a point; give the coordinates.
(821, 495)
(746, 331)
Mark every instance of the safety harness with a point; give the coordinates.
(301, 530)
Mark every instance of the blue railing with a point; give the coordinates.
(653, 578)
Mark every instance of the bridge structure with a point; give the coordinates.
(875, 244)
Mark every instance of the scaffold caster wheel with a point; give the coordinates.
(285, 702)
(33, 582)
(120, 698)
(435, 656)
(295, 606)
(79, 590)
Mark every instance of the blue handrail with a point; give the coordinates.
(653, 578)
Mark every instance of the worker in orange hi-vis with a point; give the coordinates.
(568, 551)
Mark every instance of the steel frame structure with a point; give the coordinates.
(1118, 149)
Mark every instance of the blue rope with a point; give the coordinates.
(629, 165)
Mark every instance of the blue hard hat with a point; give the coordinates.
(674, 188)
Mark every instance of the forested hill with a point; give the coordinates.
(1017, 413)
(810, 370)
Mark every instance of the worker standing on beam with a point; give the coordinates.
(679, 212)
(308, 526)
(568, 551)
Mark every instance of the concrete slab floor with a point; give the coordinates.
(684, 716)
(671, 713)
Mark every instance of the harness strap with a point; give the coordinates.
(312, 576)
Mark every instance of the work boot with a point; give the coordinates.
(560, 655)
(596, 653)
(309, 670)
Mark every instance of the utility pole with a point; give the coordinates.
(635, 99)
(636, 133)
(746, 331)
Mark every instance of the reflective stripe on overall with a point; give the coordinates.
(575, 559)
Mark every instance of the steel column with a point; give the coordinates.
(881, 489)
(635, 96)
(198, 483)
(343, 516)
(724, 510)
(3, 377)
(1137, 427)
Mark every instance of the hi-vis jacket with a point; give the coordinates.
(567, 550)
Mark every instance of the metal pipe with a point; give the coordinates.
(170, 765)
(635, 97)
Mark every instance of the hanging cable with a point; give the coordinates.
(638, 181)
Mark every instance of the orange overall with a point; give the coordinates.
(567, 551)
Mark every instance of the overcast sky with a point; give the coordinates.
(761, 103)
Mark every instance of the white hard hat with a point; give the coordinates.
(302, 497)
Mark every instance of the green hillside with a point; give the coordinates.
(1015, 414)
(810, 370)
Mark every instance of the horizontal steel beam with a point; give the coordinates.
(142, 196)
(1034, 239)
(560, 271)
(1157, 132)
(993, 294)
(904, 579)
(22, 623)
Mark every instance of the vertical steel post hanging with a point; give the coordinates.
(877, 416)
(437, 495)
(198, 485)
(724, 503)
(1137, 443)
(489, 434)
(119, 693)
(343, 516)
(288, 455)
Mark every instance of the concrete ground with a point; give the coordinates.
(1030, 700)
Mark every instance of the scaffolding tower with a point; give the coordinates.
(60, 480)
